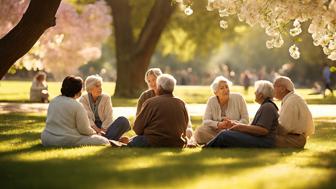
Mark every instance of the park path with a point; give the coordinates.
(194, 109)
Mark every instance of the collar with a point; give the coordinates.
(287, 96)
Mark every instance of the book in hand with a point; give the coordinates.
(115, 143)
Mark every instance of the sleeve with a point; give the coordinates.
(85, 103)
(140, 103)
(107, 112)
(286, 117)
(142, 119)
(267, 116)
(82, 122)
(244, 117)
(208, 116)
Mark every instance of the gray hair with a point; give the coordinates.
(167, 82)
(91, 81)
(285, 82)
(265, 88)
(217, 80)
(153, 71)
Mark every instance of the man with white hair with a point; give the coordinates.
(163, 119)
(295, 118)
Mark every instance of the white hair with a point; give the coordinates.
(91, 81)
(167, 82)
(285, 82)
(265, 88)
(153, 71)
(217, 80)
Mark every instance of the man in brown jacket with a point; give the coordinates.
(163, 120)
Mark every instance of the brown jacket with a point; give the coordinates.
(163, 121)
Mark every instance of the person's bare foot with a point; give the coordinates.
(124, 139)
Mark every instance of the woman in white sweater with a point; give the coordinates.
(221, 111)
(99, 111)
(67, 122)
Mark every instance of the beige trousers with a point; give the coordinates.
(289, 140)
(204, 134)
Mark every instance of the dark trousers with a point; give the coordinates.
(229, 138)
(118, 128)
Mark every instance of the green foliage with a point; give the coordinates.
(25, 163)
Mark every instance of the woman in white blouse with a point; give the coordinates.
(99, 110)
(222, 111)
(67, 122)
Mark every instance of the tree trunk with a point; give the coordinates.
(133, 57)
(39, 16)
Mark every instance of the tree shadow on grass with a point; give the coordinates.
(111, 167)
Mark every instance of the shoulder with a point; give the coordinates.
(212, 99)
(105, 97)
(236, 98)
(269, 106)
(235, 95)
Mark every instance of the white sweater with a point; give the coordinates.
(104, 110)
(236, 110)
(68, 125)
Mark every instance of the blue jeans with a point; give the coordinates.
(238, 139)
(118, 128)
(138, 141)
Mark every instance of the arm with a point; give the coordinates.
(85, 102)
(107, 119)
(250, 129)
(244, 117)
(140, 103)
(141, 120)
(82, 122)
(208, 115)
(288, 113)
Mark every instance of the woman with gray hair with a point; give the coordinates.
(99, 109)
(150, 78)
(221, 111)
(261, 132)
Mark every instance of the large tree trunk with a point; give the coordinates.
(39, 16)
(133, 57)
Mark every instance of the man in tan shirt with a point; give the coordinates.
(163, 120)
(295, 118)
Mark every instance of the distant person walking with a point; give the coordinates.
(326, 80)
(246, 81)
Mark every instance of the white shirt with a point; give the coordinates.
(295, 116)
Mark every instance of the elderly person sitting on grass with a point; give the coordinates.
(295, 119)
(99, 110)
(150, 78)
(67, 122)
(261, 132)
(163, 119)
(39, 88)
(221, 110)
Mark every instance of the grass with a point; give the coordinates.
(25, 163)
(18, 91)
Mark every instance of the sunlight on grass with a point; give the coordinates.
(24, 161)
(60, 153)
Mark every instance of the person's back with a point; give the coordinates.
(295, 115)
(165, 120)
(67, 123)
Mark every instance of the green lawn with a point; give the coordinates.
(24, 163)
(18, 91)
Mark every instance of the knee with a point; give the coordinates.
(123, 121)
